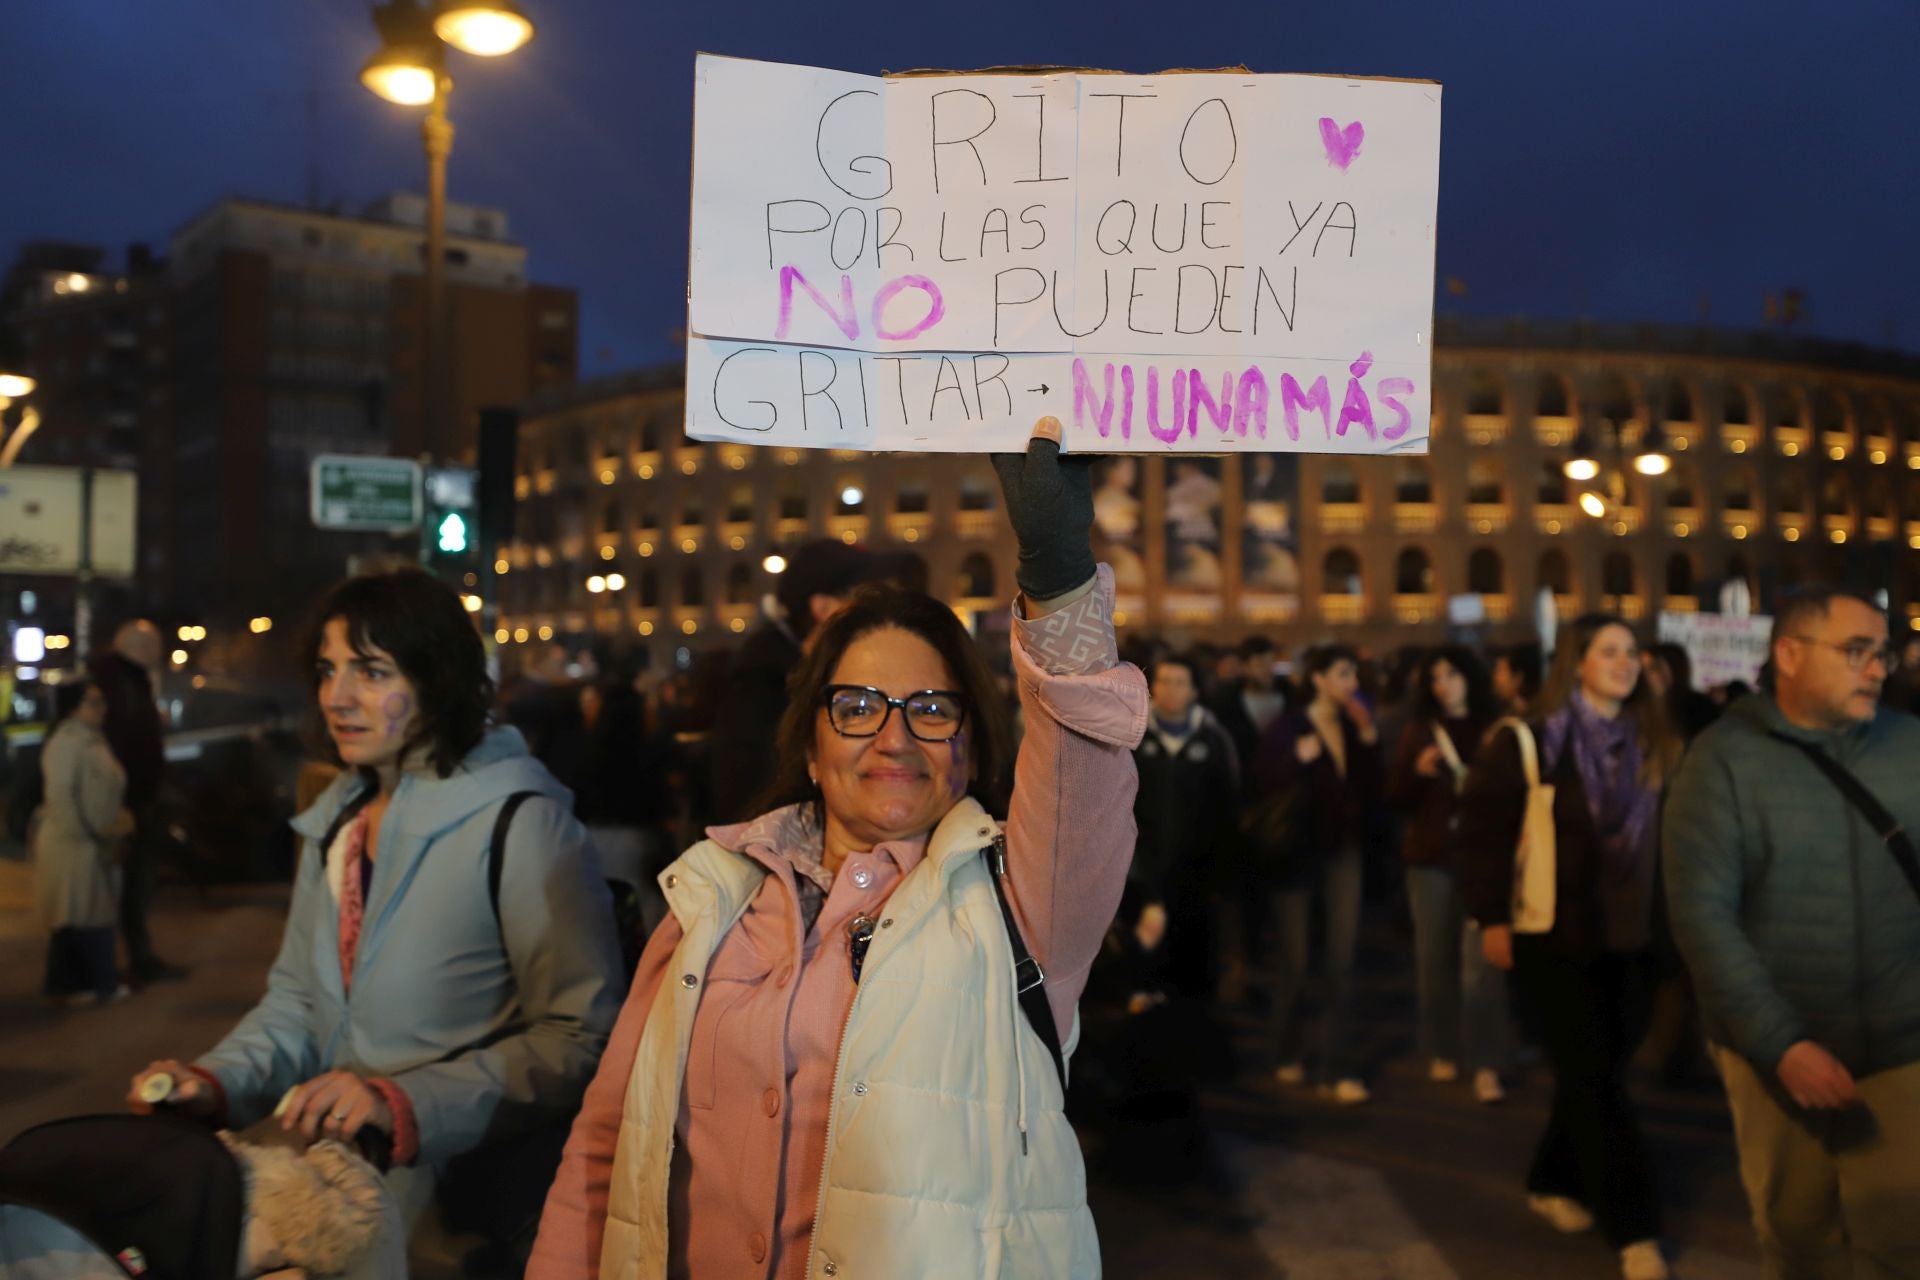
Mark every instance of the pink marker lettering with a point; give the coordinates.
(1084, 399)
(936, 306)
(1342, 144)
(1250, 406)
(1391, 389)
(1293, 400)
(1171, 432)
(1221, 412)
(848, 323)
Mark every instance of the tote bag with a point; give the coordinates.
(1533, 857)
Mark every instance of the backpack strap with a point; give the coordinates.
(1029, 978)
(348, 812)
(1884, 824)
(497, 849)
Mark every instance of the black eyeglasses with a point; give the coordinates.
(1859, 653)
(857, 711)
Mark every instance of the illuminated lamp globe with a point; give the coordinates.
(1581, 470)
(774, 564)
(486, 30)
(1593, 504)
(402, 74)
(16, 386)
(1653, 464)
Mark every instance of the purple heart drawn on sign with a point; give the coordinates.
(1342, 145)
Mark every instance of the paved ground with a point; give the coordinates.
(1423, 1184)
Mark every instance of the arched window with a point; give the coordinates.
(740, 504)
(1412, 485)
(1736, 407)
(1738, 570)
(1740, 492)
(1880, 501)
(1829, 410)
(1616, 575)
(1485, 396)
(1680, 574)
(1339, 485)
(1615, 399)
(693, 588)
(1681, 494)
(739, 584)
(1786, 408)
(976, 493)
(1554, 573)
(1836, 496)
(649, 589)
(610, 517)
(1790, 496)
(1554, 490)
(1340, 573)
(1484, 487)
(691, 512)
(1413, 573)
(1679, 405)
(1550, 397)
(910, 496)
(793, 504)
(1485, 574)
(976, 577)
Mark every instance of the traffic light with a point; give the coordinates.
(449, 542)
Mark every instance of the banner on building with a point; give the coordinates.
(41, 519)
(1214, 262)
(1723, 648)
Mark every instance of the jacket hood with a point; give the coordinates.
(426, 805)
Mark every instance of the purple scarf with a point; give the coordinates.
(1607, 755)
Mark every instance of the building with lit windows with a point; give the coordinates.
(1785, 461)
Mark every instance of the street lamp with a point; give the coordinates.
(410, 69)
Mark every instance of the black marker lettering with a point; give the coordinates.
(1000, 301)
(884, 238)
(1233, 143)
(773, 414)
(1004, 231)
(933, 107)
(1126, 241)
(833, 375)
(979, 383)
(775, 227)
(1134, 292)
(1299, 225)
(1036, 224)
(1263, 285)
(1351, 228)
(859, 244)
(1154, 232)
(940, 383)
(1039, 142)
(1213, 303)
(899, 383)
(866, 166)
(1106, 304)
(1120, 124)
(1206, 225)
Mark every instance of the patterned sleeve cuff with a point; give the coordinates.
(1076, 639)
(212, 1082)
(406, 1131)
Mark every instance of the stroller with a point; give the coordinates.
(166, 1198)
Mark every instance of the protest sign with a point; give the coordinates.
(1191, 262)
(1723, 647)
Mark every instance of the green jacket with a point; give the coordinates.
(1794, 918)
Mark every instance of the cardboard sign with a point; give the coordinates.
(1192, 262)
(1723, 648)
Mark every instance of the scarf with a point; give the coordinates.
(1607, 755)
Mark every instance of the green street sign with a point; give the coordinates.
(365, 492)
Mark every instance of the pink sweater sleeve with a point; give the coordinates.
(575, 1217)
(1070, 829)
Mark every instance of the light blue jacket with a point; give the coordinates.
(1794, 919)
(486, 1039)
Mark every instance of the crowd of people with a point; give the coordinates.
(640, 976)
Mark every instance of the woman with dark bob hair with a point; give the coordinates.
(837, 1053)
(409, 996)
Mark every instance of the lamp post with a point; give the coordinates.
(410, 69)
(1584, 464)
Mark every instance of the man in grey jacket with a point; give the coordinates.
(1803, 935)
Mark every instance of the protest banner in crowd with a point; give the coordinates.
(1724, 648)
(1202, 262)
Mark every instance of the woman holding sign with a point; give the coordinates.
(844, 1051)
(1602, 743)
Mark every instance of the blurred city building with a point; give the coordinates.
(1788, 460)
(271, 334)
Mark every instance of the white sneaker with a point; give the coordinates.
(1347, 1093)
(1292, 1074)
(1641, 1260)
(1440, 1071)
(1565, 1214)
(1487, 1087)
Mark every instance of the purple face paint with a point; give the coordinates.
(397, 707)
(1342, 144)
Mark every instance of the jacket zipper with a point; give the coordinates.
(833, 1123)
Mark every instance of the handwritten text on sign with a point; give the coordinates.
(1198, 262)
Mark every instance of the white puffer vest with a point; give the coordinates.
(948, 1151)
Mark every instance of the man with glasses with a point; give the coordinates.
(1796, 902)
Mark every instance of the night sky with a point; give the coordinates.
(1625, 161)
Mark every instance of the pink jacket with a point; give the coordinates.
(751, 1133)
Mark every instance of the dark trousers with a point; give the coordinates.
(136, 890)
(81, 959)
(1588, 1015)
